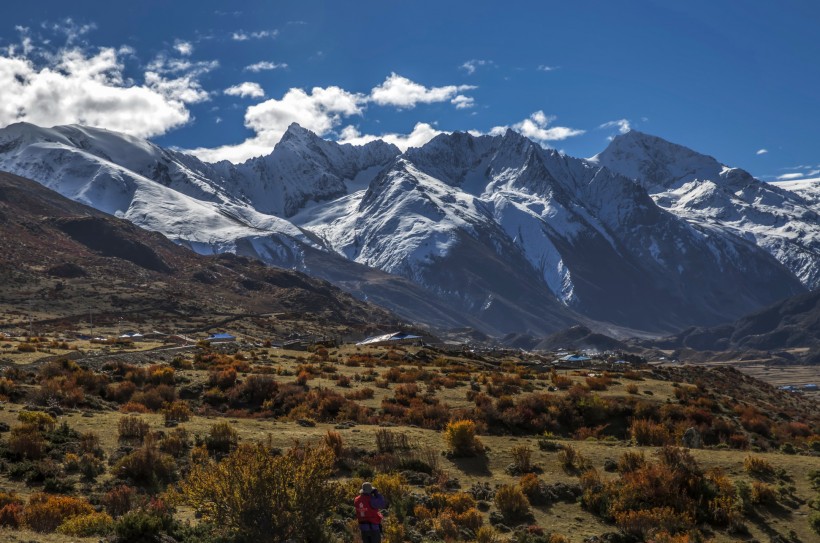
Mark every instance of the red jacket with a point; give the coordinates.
(366, 513)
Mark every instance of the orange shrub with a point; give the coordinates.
(365, 393)
(646, 432)
(757, 466)
(461, 438)
(598, 383)
(45, 512)
(643, 523)
(511, 502)
(177, 411)
(11, 515)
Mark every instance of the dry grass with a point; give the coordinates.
(566, 518)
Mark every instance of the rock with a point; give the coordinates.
(610, 465)
(692, 439)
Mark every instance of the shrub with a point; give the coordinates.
(45, 512)
(763, 494)
(261, 496)
(522, 459)
(646, 432)
(534, 489)
(461, 438)
(132, 428)
(26, 442)
(758, 467)
(632, 388)
(643, 523)
(389, 441)
(511, 502)
(365, 393)
(177, 411)
(91, 466)
(90, 444)
(333, 441)
(598, 383)
(561, 382)
(571, 460)
(87, 525)
(119, 500)
(221, 438)
(11, 515)
(486, 534)
(814, 521)
(630, 461)
(395, 490)
(175, 443)
(146, 466)
(142, 526)
(42, 421)
(120, 392)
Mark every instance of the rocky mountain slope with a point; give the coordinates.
(699, 189)
(494, 233)
(62, 259)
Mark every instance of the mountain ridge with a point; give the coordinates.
(552, 240)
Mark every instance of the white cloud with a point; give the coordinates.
(762, 151)
(401, 92)
(78, 85)
(472, 65)
(462, 102)
(789, 176)
(72, 30)
(536, 127)
(178, 79)
(421, 134)
(321, 111)
(247, 89)
(265, 65)
(241, 35)
(546, 68)
(183, 47)
(622, 124)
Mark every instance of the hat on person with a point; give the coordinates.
(367, 488)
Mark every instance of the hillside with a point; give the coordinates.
(793, 323)
(62, 260)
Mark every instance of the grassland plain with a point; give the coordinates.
(387, 413)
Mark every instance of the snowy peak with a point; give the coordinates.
(701, 190)
(655, 162)
(304, 168)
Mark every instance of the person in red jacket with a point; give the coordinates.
(367, 505)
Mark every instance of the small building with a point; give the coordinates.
(576, 358)
(221, 337)
(133, 336)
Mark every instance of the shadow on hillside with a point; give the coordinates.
(477, 466)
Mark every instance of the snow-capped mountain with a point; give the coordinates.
(495, 232)
(699, 189)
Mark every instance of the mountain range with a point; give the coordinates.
(494, 233)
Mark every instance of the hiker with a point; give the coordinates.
(367, 505)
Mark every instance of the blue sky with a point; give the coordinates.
(727, 78)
